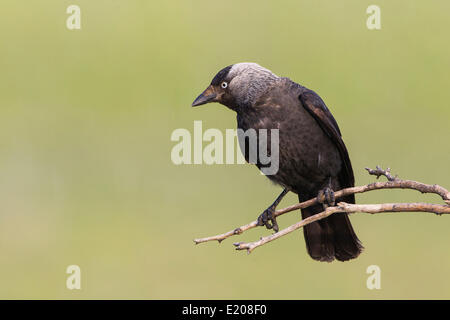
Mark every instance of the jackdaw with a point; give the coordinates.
(313, 159)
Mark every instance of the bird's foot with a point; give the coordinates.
(268, 219)
(326, 197)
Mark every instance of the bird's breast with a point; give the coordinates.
(306, 155)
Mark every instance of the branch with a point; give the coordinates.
(349, 208)
(392, 183)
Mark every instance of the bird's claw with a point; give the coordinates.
(326, 197)
(268, 219)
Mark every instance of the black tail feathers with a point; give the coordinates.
(330, 238)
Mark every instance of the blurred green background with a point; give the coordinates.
(85, 123)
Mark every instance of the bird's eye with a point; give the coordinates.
(224, 84)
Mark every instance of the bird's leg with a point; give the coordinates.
(266, 218)
(326, 196)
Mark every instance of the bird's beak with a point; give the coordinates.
(207, 96)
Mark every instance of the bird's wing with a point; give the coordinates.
(319, 111)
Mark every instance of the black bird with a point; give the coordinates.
(313, 159)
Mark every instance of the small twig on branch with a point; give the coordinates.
(392, 183)
(380, 172)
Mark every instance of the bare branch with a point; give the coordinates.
(349, 208)
(392, 183)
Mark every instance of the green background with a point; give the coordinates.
(85, 122)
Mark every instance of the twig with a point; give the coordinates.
(380, 172)
(392, 183)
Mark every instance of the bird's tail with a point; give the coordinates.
(332, 237)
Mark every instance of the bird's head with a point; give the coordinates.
(237, 86)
